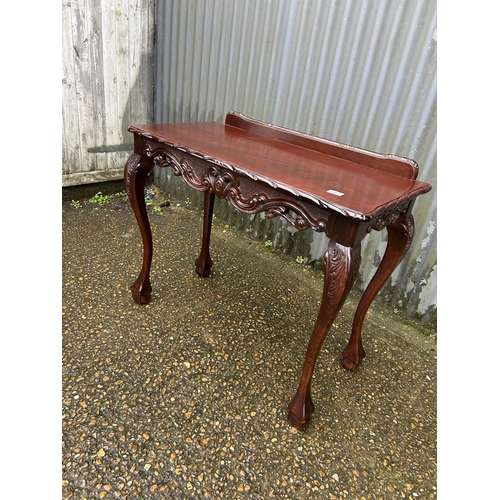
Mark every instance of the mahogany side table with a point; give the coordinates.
(343, 191)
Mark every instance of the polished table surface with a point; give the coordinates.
(307, 173)
(341, 190)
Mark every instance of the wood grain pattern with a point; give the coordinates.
(305, 173)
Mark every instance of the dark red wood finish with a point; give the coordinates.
(340, 190)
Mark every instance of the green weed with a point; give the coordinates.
(100, 199)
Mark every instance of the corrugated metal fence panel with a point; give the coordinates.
(362, 73)
(107, 83)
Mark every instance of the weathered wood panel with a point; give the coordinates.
(107, 64)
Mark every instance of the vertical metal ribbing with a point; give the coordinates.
(362, 73)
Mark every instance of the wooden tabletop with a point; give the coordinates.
(324, 178)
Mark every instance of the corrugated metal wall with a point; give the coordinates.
(362, 73)
(107, 63)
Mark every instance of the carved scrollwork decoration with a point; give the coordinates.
(180, 167)
(274, 207)
(225, 184)
(133, 166)
(130, 168)
(222, 183)
(301, 221)
(410, 227)
(341, 265)
(394, 217)
(386, 219)
(273, 212)
(335, 264)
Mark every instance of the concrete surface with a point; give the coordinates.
(186, 397)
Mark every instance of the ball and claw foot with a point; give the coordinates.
(203, 272)
(141, 292)
(300, 411)
(203, 265)
(350, 364)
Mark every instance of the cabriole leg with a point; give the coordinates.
(400, 234)
(341, 267)
(135, 174)
(204, 262)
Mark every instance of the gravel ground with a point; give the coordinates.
(186, 397)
